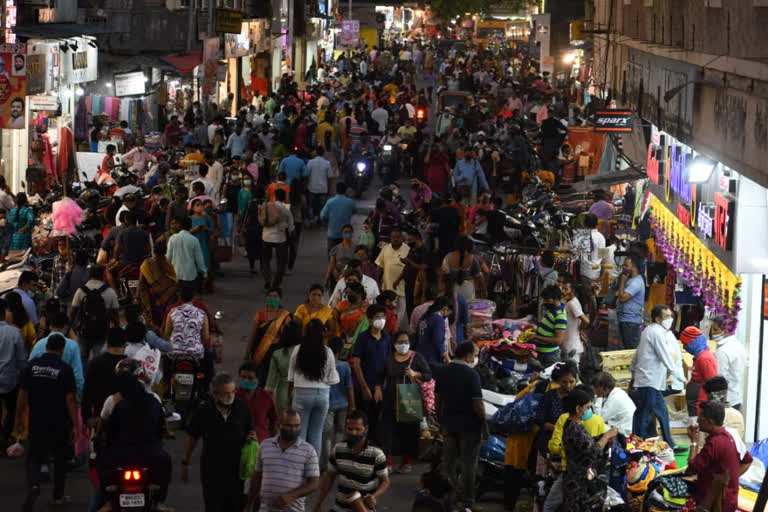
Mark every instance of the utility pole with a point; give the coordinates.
(191, 24)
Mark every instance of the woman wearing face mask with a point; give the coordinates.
(267, 328)
(464, 268)
(202, 228)
(314, 309)
(340, 255)
(245, 195)
(566, 376)
(581, 450)
(311, 373)
(350, 312)
(280, 359)
(401, 365)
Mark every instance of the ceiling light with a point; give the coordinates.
(700, 169)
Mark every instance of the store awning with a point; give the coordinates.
(604, 181)
(184, 63)
(60, 30)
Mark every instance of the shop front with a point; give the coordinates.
(710, 225)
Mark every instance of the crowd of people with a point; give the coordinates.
(320, 386)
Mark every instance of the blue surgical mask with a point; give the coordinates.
(587, 414)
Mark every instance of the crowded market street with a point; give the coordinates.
(443, 257)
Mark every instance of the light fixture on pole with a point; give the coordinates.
(700, 170)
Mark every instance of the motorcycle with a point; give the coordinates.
(187, 382)
(388, 163)
(128, 284)
(134, 491)
(360, 173)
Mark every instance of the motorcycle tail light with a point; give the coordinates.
(200, 376)
(132, 475)
(184, 366)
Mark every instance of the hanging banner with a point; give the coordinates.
(237, 45)
(36, 74)
(130, 84)
(13, 85)
(350, 32)
(210, 61)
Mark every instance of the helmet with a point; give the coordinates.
(132, 367)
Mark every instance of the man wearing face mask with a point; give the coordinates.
(550, 334)
(286, 470)
(225, 425)
(459, 401)
(361, 469)
(731, 360)
(467, 173)
(260, 401)
(704, 368)
(630, 299)
(650, 366)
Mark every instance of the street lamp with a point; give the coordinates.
(675, 90)
(700, 170)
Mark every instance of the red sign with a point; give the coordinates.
(723, 222)
(684, 215)
(652, 164)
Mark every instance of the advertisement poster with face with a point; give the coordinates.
(13, 78)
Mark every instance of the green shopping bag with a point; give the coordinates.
(408, 403)
(248, 457)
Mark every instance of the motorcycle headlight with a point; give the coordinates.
(387, 147)
(360, 166)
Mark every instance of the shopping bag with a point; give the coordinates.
(248, 457)
(408, 403)
(150, 360)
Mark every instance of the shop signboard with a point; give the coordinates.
(614, 121)
(210, 62)
(130, 84)
(42, 102)
(237, 45)
(13, 85)
(350, 32)
(36, 74)
(706, 208)
(227, 21)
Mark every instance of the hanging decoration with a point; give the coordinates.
(696, 266)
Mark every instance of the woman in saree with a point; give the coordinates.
(268, 326)
(157, 287)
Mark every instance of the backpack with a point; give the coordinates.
(269, 215)
(93, 313)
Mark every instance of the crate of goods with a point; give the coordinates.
(616, 362)
(480, 319)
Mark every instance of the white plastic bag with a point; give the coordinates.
(150, 360)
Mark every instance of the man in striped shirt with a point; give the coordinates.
(362, 469)
(286, 471)
(551, 332)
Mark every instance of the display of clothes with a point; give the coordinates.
(136, 111)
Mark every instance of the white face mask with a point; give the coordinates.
(379, 323)
(402, 348)
(667, 323)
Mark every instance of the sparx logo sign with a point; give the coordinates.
(614, 121)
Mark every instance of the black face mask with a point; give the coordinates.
(289, 435)
(355, 440)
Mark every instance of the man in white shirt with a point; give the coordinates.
(731, 360)
(590, 264)
(215, 175)
(650, 366)
(275, 236)
(354, 272)
(613, 404)
(390, 261)
(209, 186)
(577, 321)
(381, 116)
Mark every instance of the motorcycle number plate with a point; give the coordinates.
(133, 283)
(131, 500)
(185, 379)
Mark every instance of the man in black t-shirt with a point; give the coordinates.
(48, 392)
(131, 248)
(100, 378)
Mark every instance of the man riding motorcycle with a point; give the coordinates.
(133, 422)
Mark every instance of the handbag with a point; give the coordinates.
(427, 391)
(409, 407)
